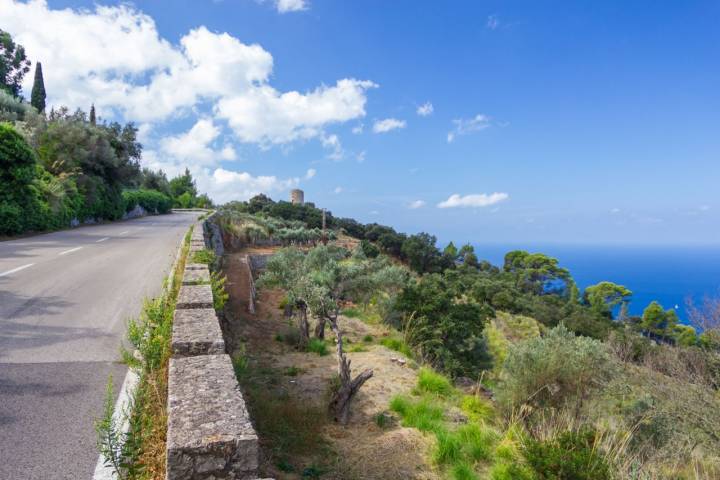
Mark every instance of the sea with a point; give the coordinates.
(667, 274)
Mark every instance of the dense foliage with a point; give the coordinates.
(64, 168)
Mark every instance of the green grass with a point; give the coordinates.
(293, 371)
(423, 414)
(203, 256)
(463, 471)
(352, 312)
(397, 345)
(432, 382)
(368, 339)
(476, 408)
(460, 449)
(357, 348)
(318, 346)
(381, 420)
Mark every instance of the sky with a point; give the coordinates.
(477, 121)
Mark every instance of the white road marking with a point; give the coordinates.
(70, 251)
(16, 269)
(101, 240)
(123, 233)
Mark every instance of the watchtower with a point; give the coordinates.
(297, 196)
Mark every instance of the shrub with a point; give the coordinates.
(368, 338)
(317, 346)
(572, 454)
(432, 382)
(151, 200)
(220, 295)
(554, 370)
(17, 172)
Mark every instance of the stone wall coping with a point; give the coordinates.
(196, 331)
(194, 296)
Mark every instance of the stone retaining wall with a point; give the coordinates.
(210, 435)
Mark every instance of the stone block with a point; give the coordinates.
(195, 266)
(210, 435)
(197, 331)
(196, 276)
(195, 296)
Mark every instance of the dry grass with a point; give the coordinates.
(290, 411)
(148, 434)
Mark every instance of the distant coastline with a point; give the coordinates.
(668, 274)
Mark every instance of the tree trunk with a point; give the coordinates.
(340, 403)
(320, 328)
(304, 327)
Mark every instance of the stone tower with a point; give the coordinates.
(297, 196)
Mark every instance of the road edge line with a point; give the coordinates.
(121, 413)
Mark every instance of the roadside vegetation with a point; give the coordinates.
(520, 375)
(60, 168)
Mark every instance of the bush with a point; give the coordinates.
(17, 171)
(477, 409)
(554, 370)
(432, 382)
(570, 455)
(151, 200)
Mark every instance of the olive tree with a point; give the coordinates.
(320, 281)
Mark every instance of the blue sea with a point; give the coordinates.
(666, 274)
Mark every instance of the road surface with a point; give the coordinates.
(65, 298)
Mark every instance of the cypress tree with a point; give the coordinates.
(93, 120)
(37, 97)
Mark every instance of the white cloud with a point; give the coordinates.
(332, 142)
(195, 144)
(264, 115)
(115, 58)
(426, 109)
(225, 185)
(473, 200)
(416, 204)
(388, 124)
(493, 22)
(284, 6)
(469, 125)
(360, 156)
(338, 190)
(310, 173)
(358, 129)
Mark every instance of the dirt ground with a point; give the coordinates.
(280, 373)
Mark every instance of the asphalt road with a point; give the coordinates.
(65, 298)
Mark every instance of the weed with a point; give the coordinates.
(425, 414)
(463, 471)
(448, 448)
(284, 466)
(318, 346)
(432, 382)
(357, 348)
(293, 371)
(204, 256)
(352, 312)
(381, 420)
(368, 338)
(279, 337)
(397, 345)
(476, 408)
(240, 365)
(220, 295)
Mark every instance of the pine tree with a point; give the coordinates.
(93, 120)
(37, 97)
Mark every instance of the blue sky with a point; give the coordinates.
(563, 122)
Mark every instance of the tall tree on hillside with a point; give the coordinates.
(183, 184)
(13, 64)
(38, 95)
(93, 119)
